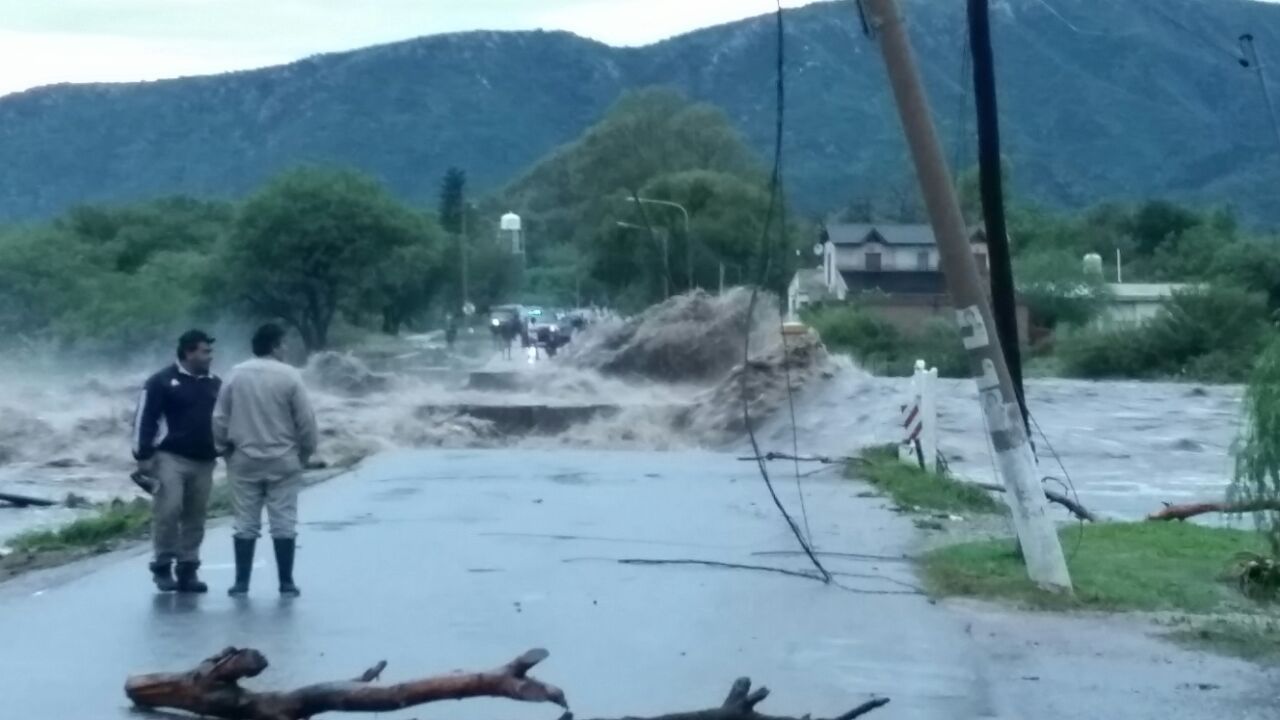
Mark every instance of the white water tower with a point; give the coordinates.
(1093, 265)
(511, 229)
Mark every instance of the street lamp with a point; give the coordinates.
(688, 239)
(666, 256)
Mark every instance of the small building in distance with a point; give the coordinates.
(892, 270)
(1136, 303)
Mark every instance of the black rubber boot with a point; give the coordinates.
(244, 566)
(162, 575)
(188, 580)
(285, 548)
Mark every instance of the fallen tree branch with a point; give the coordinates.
(1182, 512)
(1072, 506)
(741, 705)
(212, 689)
(25, 500)
(799, 458)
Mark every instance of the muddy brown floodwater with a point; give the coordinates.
(665, 380)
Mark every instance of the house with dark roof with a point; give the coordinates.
(890, 269)
(886, 258)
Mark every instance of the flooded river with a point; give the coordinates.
(1127, 446)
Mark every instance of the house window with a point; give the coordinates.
(873, 262)
(922, 260)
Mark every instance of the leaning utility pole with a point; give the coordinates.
(1036, 532)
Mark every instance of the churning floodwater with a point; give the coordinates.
(665, 380)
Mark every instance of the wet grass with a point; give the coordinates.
(107, 525)
(113, 522)
(1148, 566)
(1252, 638)
(1174, 567)
(915, 489)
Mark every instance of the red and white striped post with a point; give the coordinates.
(920, 418)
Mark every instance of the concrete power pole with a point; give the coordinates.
(1036, 532)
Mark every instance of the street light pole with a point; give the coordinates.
(666, 256)
(1006, 427)
(462, 250)
(688, 239)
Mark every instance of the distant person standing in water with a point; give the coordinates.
(179, 459)
(264, 426)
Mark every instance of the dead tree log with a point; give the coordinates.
(212, 690)
(1053, 496)
(1182, 512)
(25, 500)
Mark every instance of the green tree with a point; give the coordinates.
(453, 200)
(651, 143)
(1057, 290)
(1257, 452)
(402, 286)
(306, 245)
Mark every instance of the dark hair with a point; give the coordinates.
(266, 339)
(190, 340)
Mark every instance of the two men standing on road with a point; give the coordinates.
(264, 426)
(173, 444)
(261, 422)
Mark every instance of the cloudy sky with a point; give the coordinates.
(50, 41)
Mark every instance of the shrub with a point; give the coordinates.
(881, 348)
(1208, 335)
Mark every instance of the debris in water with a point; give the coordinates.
(344, 373)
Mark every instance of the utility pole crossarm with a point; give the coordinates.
(1037, 534)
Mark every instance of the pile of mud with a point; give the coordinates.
(760, 387)
(689, 338)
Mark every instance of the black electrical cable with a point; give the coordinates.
(775, 177)
(1003, 295)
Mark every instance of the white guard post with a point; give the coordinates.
(920, 419)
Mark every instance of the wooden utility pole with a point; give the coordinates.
(1036, 532)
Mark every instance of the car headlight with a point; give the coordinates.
(555, 328)
(496, 322)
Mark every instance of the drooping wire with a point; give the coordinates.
(775, 181)
(1066, 476)
(786, 372)
(1197, 35)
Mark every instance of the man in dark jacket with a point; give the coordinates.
(173, 444)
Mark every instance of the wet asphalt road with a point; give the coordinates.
(443, 560)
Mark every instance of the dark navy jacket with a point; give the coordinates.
(175, 414)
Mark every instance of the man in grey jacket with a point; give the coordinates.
(264, 426)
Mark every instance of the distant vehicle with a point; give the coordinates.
(547, 333)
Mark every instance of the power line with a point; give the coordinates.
(1251, 59)
(775, 181)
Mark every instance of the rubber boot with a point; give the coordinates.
(285, 548)
(162, 575)
(244, 566)
(188, 580)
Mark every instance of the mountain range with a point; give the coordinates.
(1117, 100)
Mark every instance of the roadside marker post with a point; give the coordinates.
(920, 419)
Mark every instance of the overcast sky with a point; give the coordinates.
(50, 41)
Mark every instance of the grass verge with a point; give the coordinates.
(107, 528)
(917, 489)
(1252, 638)
(1144, 566)
(108, 523)
(1119, 566)
(112, 522)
